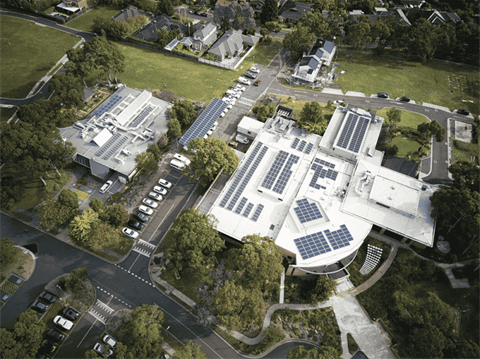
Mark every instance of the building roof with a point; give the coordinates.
(67, 7)
(149, 32)
(124, 125)
(401, 165)
(229, 43)
(87, 93)
(187, 41)
(128, 13)
(312, 196)
(205, 31)
(293, 10)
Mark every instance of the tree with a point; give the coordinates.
(189, 350)
(264, 112)
(146, 162)
(264, 31)
(103, 233)
(155, 150)
(9, 254)
(163, 37)
(269, 11)
(165, 7)
(68, 198)
(117, 215)
(146, 321)
(323, 290)
(311, 118)
(437, 130)
(174, 128)
(210, 156)
(54, 214)
(394, 116)
(68, 88)
(259, 261)
(465, 174)
(184, 112)
(97, 205)
(76, 279)
(315, 353)
(196, 242)
(358, 34)
(426, 342)
(81, 227)
(298, 42)
(420, 40)
(79, 63)
(236, 15)
(11, 191)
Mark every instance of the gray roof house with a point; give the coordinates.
(308, 67)
(292, 11)
(231, 44)
(205, 36)
(149, 32)
(128, 13)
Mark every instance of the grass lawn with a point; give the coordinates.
(262, 54)
(54, 310)
(193, 80)
(6, 113)
(462, 151)
(405, 146)
(428, 82)
(28, 52)
(122, 246)
(85, 21)
(409, 119)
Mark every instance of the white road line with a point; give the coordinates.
(156, 229)
(133, 263)
(81, 341)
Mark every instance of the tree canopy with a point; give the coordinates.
(312, 119)
(210, 156)
(264, 112)
(235, 15)
(189, 350)
(174, 128)
(269, 11)
(184, 112)
(9, 254)
(298, 41)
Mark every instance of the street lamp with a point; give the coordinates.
(166, 330)
(61, 289)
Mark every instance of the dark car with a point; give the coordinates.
(382, 95)
(204, 14)
(135, 224)
(140, 216)
(250, 75)
(55, 336)
(40, 307)
(463, 112)
(404, 99)
(256, 83)
(47, 348)
(70, 313)
(48, 297)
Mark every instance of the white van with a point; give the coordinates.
(177, 165)
(181, 158)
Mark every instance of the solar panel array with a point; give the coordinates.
(359, 134)
(312, 245)
(115, 148)
(309, 148)
(347, 130)
(141, 116)
(340, 238)
(240, 174)
(324, 163)
(204, 122)
(274, 170)
(241, 205)
(257, 212)
(321, 172)
(107, 144)
(107, 106)
(248, 209)
(295, 143)
(285, 175)
(307, 211)
(302, 145)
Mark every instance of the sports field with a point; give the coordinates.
(28, 52)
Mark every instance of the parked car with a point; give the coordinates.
(70, 313)
(63, 323)
(191, 11)
(404, 99)
(135, 224)
(250, 75)
(106, 186)
(244, 81)
(40, 307)
(108, 339)
(130, 233)
(140, 216)
(146, 210)
(254, 70)
(463, 112)
(239, 88)
(181, 158)
(99, 349)
(215, 125)
(47, 348)
(223, 114)
(155, 196)
(55, 336)
(236, 95)
(48, 297)
(241, 139)
(256, 83)
(178, 165)
(160, 190)
(204, 14)
(164, 183)
(229, 106)
(382, 95)
(233, 144)
(150, 203)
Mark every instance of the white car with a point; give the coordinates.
(181, 158)
(160, 190)
(129, 233)
(63, 323)
(99, 349)
(150, 203)
(155, 196)
(146, 210)
(241, 139)
(229, 107)
(108, 339)
(215, 126)
(230, 92)
(236, 95)
(244, 81)
(165, 183)
(239, 88)
(106, 186)
(222, 114)
(226, 99)
(254, 70)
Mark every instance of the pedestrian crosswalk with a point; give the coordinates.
(144, 248)
(246, 101)
(101, 311)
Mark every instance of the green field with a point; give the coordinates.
(28, 52)
(85, 21)
(6, 113)
(409, 119)
(428, 82)
(147, 69)
(405, 146)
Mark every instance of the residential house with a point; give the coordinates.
(308, 67)
(128, 13)
(149, 32)
(397, 13)
(87, 93)
(292, 11)
(232, 44)
(257, 5)
(436, 17)
(70, 7)
(204, 37)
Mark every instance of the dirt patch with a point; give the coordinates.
(120, 317)
(81, 300)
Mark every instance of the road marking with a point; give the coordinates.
(81, 341)
(156, 229)
(133, 264)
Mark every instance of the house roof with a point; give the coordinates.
(230, 42)
(128, 13)
(87, 93)
(149, 32)
(294, 10)
(187, 41)
(205, 31)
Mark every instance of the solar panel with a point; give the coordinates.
(312, 245)
(240, 174)
(309, 148)
(306, 211)
(295, 143)
(302, 145)
(241, 205)
(115, 148)
(257, 212)
(359, 134)
(247, 178)
(321, 172)
(285, 175)
(339, 238)
(204, 122)
(248, 209)
(346, 134)
(141, 116)
(274, 170)
(107, 145)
